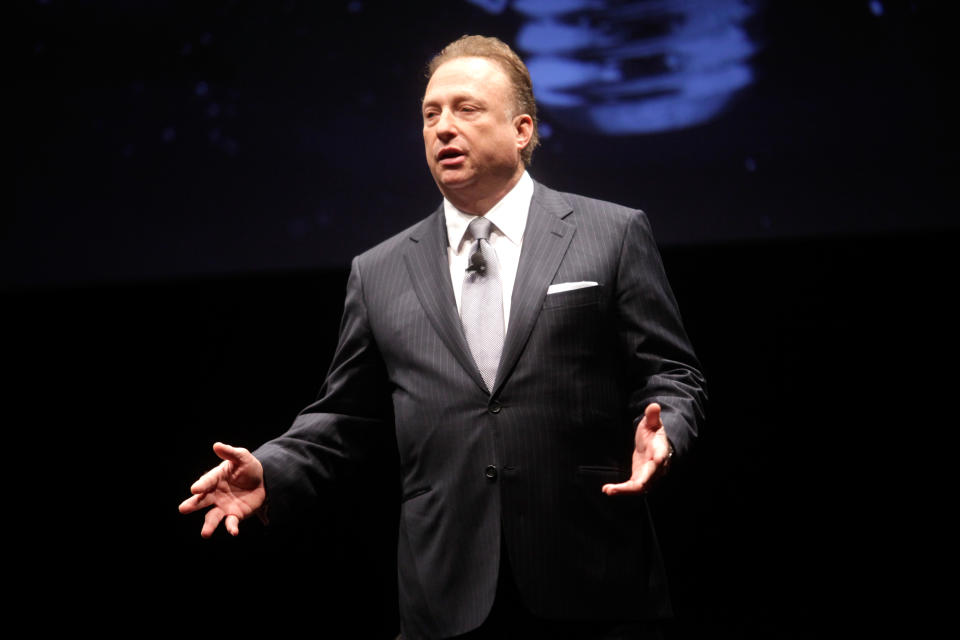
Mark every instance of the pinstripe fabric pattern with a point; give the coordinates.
(526, 460)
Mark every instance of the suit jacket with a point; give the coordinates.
(525, 462)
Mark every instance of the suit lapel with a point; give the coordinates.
(429, 268)
(545, 241)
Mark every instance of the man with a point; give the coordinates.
(522, 349)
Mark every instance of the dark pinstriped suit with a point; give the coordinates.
(577, 369)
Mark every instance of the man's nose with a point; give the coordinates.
(446, 127)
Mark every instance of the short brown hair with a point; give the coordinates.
(501, 53)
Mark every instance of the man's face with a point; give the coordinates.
(471, 137)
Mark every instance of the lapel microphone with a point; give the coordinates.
(477, 263)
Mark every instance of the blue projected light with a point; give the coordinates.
(633, 67)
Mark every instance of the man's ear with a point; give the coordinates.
(523, 124)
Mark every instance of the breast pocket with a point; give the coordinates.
(575, 298)
(571, 326)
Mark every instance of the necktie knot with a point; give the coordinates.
(480, 228)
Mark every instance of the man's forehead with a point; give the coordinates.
(467, 71)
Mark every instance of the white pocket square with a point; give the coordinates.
(569, 286)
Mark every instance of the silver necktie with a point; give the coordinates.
(481, 303)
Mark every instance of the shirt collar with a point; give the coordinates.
(509, 215)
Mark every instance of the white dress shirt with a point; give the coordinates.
(509, 218)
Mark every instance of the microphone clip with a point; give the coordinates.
(477, 263)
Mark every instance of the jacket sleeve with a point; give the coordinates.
(350, 424)
(660, 360)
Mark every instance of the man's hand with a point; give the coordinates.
(234, 488)
(650, 455)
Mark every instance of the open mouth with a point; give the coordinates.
(450, 155)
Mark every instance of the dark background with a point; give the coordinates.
(173, 275)
(175, 139)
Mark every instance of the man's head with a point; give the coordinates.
(510, 63)
(479, 121)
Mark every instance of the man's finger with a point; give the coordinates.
(192, 503)
(651, 417)
(636, 484)
(232, 523)
(630, 486)
(208, 481)
(197, 502)
(210, 521)
(226, 452)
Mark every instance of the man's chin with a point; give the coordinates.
(453, 180)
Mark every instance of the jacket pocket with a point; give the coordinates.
(410, 495)
(574, 298)
(600, 474)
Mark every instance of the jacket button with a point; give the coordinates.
(494, 407)
(490, 472)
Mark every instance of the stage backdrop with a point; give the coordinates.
(158, 139)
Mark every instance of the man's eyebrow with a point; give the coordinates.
(457, 97)
(455, 100)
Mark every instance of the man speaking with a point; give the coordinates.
(522, 350)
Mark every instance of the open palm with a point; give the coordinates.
(233, 489)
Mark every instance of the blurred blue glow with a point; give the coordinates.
(549, 36)
(876, 7)
(202, 88)
(634, 67)
(492, 6)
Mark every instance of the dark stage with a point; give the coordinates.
(804, 506)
